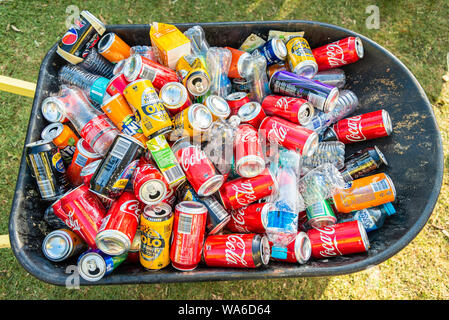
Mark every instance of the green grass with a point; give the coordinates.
(416, 32)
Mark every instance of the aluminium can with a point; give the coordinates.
(156, 225)
(113, 48)
(274, 51)
(113, 173)
(300, 58)
(93, 264)
(189, 228)
(62, 244)
(45, 163)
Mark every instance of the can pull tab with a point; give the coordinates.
(93, 268)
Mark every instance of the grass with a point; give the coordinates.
(416, 32)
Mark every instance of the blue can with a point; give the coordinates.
(273, 50)
(95, 264)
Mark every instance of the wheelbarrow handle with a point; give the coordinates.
(16, 86)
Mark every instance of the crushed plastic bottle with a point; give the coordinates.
(218, 61)
(97, 64)
(282, 226)
(371, 218)
(332, 152)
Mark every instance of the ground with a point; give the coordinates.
(416, 32)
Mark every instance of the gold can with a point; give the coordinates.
(194, 75)
(148, 108)
(300, 58)
(193, 121)
(156, 223)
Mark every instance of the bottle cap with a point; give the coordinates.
(279, 252)
(389, 208)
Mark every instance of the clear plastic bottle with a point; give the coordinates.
(97, 64)
(257, 77)
(218, 61)
(91, 124)
(333, 77)
(371, 218)
(94, 86)
(220, 145)
(320, 184)
(346, 104)
(145, 51)
(327, 152)
(198, 42)
(282, 226)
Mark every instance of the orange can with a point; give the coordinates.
(366, 192)
(121, 115)
(237, 67)
(63, 137)
(113, 48)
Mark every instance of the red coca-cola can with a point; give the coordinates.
(175, 97)
(249, 160)
(170, 197)
(338, 239)
(189, 227)
(338, 53)
(139, 67)
(241, 192)
(236, 100)
(150, 186)
(82, 212)
(119, 226)
(367, 126)
(252, 113)
(250, 219)
(236, 250)
(83, 156)
(117, 84)
(295, 110)
(88, 171)
(289, 135)
(198, 168)
(299, 250)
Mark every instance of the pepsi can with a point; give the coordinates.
(81, 37)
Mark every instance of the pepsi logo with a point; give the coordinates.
(70, 37)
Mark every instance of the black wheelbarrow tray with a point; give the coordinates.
(380, 80)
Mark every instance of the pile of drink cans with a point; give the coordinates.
(177, 153)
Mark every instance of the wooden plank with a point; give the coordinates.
(16, 86)
(4, 241)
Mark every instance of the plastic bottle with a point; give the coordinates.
(371, 218)
(282, 226)
(327, 152)
(220, 144)
(97, 64)
(346, 104)
(218, 61)
(91, 124)
(257, 77)
(94, 86)
(199, 45)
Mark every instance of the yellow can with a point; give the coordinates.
(148, 108)
(300, 58)
(194, 75)
(193, 121)
(156, 223)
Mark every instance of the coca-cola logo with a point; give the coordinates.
(249, 136)
(131, 207)
(277, 134)
(283, 103)
(355, 129)
(328, 242)
(235, 251)
(244, 194)
(335, 55)
(191, 156)
(238, 217)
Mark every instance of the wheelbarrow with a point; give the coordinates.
(414, 152)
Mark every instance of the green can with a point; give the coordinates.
(165, 160)
(320, 214)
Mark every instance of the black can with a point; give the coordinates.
(363, 162)
(81, 37)
(47, 167)
(217, 216)
(117, 167)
